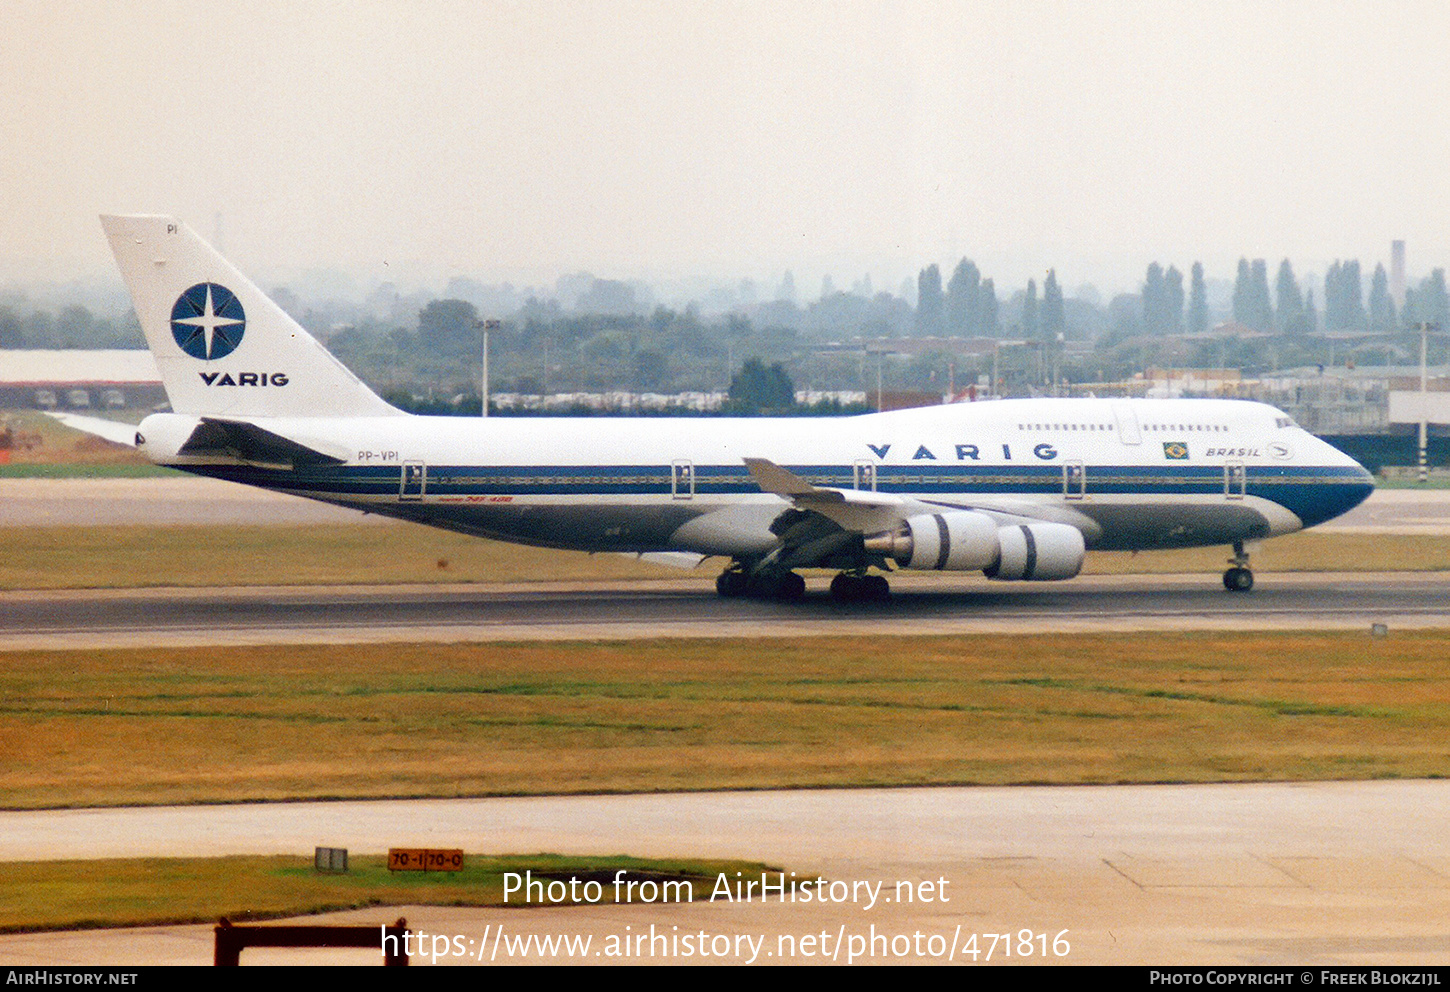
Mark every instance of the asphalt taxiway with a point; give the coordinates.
(1322, 873)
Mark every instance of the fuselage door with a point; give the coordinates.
(414, 481)
(1074, 480)
(864, 474)
(1235, 480)
(682, 479)
(1127, 424)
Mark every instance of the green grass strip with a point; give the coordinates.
(127, 892)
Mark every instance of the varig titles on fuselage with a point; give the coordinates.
(1042, 451)
(244, 378)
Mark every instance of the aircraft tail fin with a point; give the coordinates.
(222, 346)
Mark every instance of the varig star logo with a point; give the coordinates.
(1176, 450)
(207, 321)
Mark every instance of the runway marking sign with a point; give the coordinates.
(424, 859)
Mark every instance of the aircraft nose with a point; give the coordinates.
(1338, 497)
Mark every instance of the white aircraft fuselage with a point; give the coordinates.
(1131, 474)
(1018, 489)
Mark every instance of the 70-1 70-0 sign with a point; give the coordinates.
(424, 859)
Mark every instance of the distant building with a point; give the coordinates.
(1345, 400)
(79, 380)
(627, 402)
(902, 399)
(1177, 383)
(1227, 329)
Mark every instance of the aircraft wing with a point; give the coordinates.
(851, 509)
(823, 524)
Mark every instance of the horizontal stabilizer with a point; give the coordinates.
(111, 430)
(251, 444)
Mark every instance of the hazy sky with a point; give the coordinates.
(650, 140)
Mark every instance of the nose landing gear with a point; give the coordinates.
(1238, 578)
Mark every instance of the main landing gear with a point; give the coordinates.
(847, 587)
(857, 587)
(1238, 578)
(731, 583)
(774, 584)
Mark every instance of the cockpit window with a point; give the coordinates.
(1284, 422)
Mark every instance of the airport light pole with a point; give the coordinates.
(1425, 328)
(488, 325)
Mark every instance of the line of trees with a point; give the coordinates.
(430, 347)
(1290, 309)
(72, 327)
(967, 308)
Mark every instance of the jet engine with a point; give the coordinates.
(966, 541)
(1038, 551)
(957, 541)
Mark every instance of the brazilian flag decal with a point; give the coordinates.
(1177, 450)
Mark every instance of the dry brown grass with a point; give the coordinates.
(226, 724)
(129, 557)
(41, 440)
(1311, 551)
(342, 554)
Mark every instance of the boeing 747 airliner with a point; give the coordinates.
(1016, 489)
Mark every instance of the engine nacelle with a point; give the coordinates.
(956, 541)
(1038, 552)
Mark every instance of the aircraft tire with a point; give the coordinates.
(785, 586)
(1238, 580)
(731, 584)
(845, 588)
(791, 589)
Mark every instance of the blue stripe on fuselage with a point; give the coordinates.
(1312, 493)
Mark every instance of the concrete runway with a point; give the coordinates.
(690, 608)
(1334, 873)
